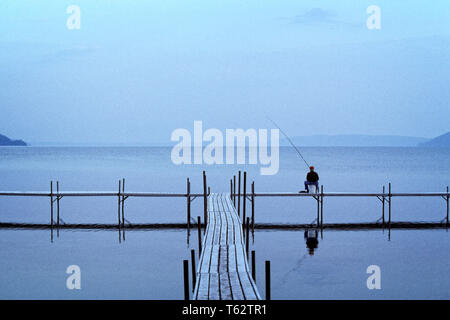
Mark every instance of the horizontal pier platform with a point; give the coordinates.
(350, 194)
(96, 194)
(180, 195)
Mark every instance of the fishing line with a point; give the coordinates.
(290, 141)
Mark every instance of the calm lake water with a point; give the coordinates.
(148, 264)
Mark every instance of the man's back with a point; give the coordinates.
(312, 176)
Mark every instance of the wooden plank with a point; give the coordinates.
(214, 268)
(224, 227)
(217, 230)
(232, 265)
(208, 238)
(211, 202)
(225, 288)
(214, 287)
(236, 289)
(223, 259)
(205, 263)
(255, 288)
(205, 258)
(230, 221)
(236, 224)
(210, 227)
(247, 287)
(241, 261)
(202, 287)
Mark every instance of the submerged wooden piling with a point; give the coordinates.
(390, 198)
(244, 198)
(123, 202)
(253, 205)
(447, 205)
(188, 203)
(384, 199)
(199, 228)
(317, 197)
(57, 203)
(268, 280)
(205, 199)
(194, 274)
(239, 194)
(51, 203)
(118, 203)
(321, 206)
(186, 279)
(247, 237)
(253, 266)
(234, 190)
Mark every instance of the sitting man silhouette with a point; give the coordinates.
(312, 179)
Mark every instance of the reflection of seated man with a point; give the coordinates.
(311, 240)
(312, 179)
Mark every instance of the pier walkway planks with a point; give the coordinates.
(223, 272)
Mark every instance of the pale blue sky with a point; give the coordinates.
(139, 69)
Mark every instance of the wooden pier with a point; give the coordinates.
(223, 271)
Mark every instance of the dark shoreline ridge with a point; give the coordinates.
(5, 141)
(441, 141)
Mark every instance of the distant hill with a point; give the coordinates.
(5, 141)
(441, 141)
(355, 140)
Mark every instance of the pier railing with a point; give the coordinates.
(237, 198)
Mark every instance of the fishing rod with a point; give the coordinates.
(290, 141)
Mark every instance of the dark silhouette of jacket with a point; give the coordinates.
(312, 176)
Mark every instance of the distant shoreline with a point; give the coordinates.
(351, 141)
(5, 141)
(171, 146)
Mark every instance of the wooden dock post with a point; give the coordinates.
(247, 237)
(234, 190)
(194, 275)
(253, 266)
(199, 228)
(51, 203)
(253, 206)
(231, 189)
(321, 206)
(123, 202)
(447, 205)
(118, 203)
(382, 201)
(268, 280)
(244, 197)
(188, 203)
(205, 199)
(390, 198)
(57, 203)
(317, 197)
(239, 196)
(186, 279)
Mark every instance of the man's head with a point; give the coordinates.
(311, 168)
